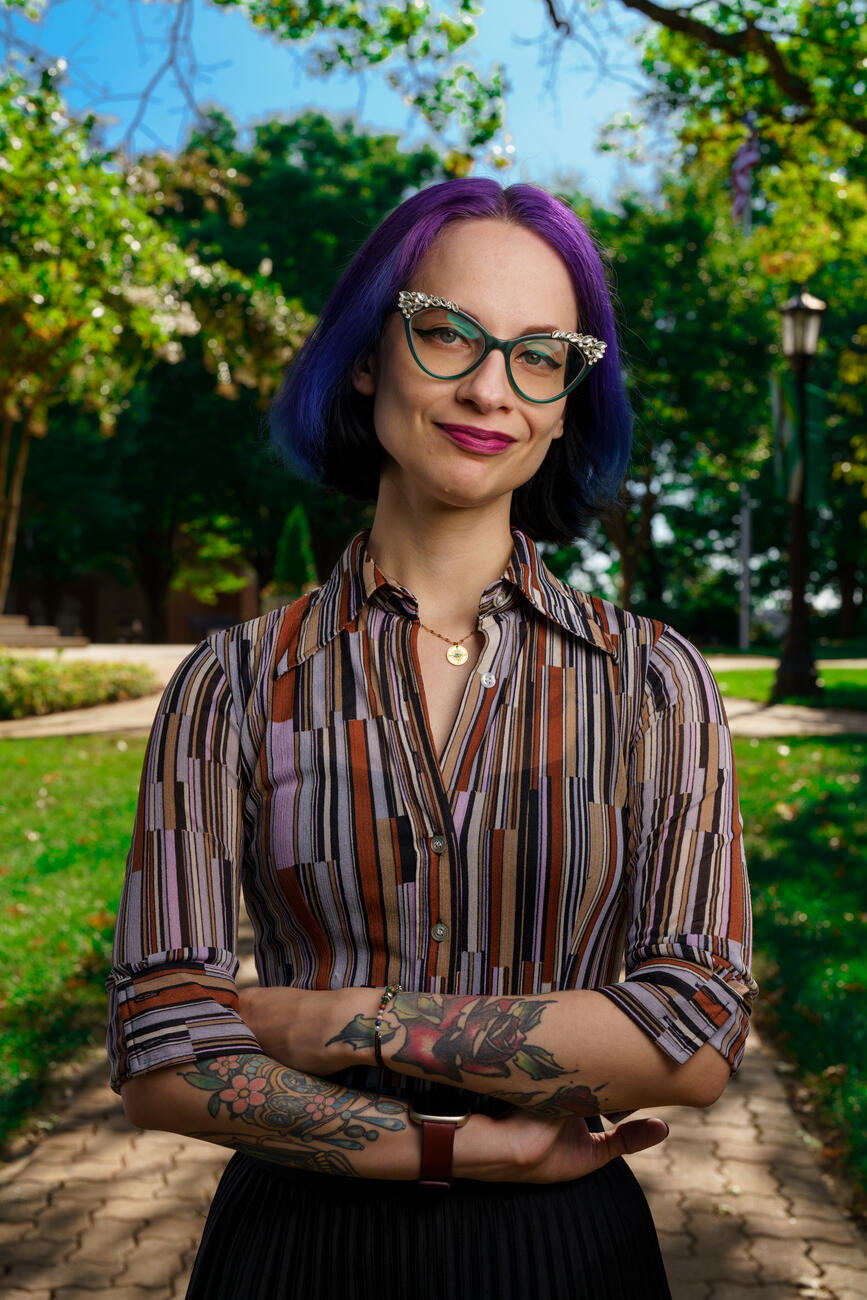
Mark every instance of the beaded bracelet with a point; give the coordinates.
(391, 992)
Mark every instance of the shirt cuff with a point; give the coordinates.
(171, 1008)
(687, 1001)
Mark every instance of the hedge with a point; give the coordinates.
(30, 686)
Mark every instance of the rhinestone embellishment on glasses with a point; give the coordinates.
(410, 301)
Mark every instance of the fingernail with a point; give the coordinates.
(667, 1128)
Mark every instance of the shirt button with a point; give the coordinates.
(438, 844)
(500, 599)
(488, 679)
(439, 931)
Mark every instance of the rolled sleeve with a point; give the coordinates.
(688, 979)
(172, 991)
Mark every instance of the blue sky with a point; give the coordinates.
(113, 49)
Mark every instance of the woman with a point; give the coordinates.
(458, 795)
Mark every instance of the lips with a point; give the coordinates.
(486, 441)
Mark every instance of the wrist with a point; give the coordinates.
(465, 1161)
(348, 1042)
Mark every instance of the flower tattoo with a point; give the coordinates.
(255, 1090)
(244, 1092)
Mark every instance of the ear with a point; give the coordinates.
(559, 427)
(364, 375)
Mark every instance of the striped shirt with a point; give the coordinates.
(579, 831)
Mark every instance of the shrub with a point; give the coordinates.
(30, 686)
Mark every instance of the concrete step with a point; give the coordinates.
(16, 633)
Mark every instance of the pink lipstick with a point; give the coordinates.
(488, 442)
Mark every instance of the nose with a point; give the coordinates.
(488, 387)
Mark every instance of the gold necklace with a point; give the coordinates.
(457, 653)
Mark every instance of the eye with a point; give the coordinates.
(537, 358)
(445, 334)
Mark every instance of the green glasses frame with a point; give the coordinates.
(410, 301)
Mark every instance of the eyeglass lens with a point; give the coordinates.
(447, 344)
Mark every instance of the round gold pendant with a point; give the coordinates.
(457, 655)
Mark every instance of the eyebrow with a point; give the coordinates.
(529, 329)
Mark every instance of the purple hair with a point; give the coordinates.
(320, 424)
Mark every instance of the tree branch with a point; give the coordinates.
(749, 40)
(560, 24)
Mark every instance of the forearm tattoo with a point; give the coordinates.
(255, 1091)
(453, 1038)
(574, 1099)
(266, 1148)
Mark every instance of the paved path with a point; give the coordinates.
(102, 1211)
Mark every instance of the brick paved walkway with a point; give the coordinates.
(101, 1211)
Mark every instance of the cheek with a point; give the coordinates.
(402, 397)
(552, 429)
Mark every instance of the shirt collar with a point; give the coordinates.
(356, 580)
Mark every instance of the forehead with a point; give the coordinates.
(507, 276)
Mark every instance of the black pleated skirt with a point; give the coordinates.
(277, 1234)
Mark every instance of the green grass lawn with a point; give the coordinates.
(844, 688)
(66, 811)
(805, 818)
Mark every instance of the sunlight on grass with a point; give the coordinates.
(66, 808)
(843, 688)
(805, 819)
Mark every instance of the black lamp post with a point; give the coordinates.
(796, 675)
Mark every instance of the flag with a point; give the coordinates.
(788, 467)
(746, 158)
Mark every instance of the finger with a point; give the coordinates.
(636, 1135)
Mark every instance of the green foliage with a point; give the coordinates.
(295, 567)
(294, 206)
(843, 688)
(699, 326)
(805, 820)
(419, 42)
(67, 807)
(789, 61)
(188, 487)
(210, 561)
(93, 289)
(30, 686)
(88, 279)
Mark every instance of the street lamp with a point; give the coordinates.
(801, 317)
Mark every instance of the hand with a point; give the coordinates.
(294, 1025)
(525, 1148)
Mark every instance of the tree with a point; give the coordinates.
(93, 291)
(301, 199)
(229, 203)
(788, 60)
(76, 253)
(697, 338)
(198, 487)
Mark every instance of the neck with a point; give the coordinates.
(445, 558)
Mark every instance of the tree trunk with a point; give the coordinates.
(847, 581)
(11, 502)
(629, 533)
(153, 565)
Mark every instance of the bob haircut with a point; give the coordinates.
(324, 428)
